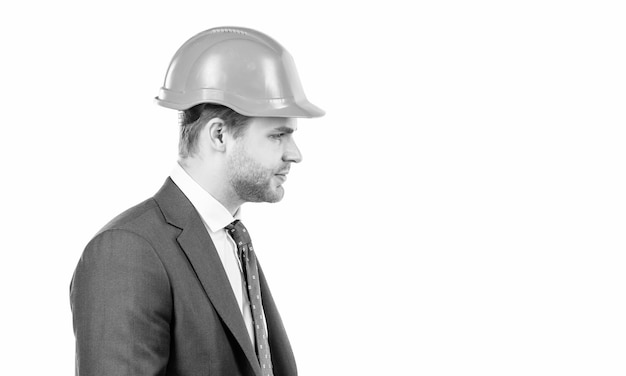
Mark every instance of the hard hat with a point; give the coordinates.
(240, 68)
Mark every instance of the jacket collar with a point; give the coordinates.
(199, 249)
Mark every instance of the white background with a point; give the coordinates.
(460, 210)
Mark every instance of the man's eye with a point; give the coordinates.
(278, 136)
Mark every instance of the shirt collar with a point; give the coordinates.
(212, 212)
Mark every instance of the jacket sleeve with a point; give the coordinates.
(122, 307)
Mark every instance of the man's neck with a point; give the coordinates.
(214, 182)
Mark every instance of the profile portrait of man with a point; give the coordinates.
(172, 286)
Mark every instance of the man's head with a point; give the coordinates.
(249, 157)
(216, 78)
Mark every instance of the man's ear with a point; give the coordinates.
(215, 130)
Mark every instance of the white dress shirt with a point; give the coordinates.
(215, 217)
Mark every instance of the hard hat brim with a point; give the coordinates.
(280, 107)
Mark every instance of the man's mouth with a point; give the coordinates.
(282, 172)
(282, 175)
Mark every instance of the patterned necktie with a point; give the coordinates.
(251, 273)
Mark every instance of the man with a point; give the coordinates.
(172, 286)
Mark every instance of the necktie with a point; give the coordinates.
(251, 273)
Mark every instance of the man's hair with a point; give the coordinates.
(194, 119)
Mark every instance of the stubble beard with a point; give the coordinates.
(251, 181)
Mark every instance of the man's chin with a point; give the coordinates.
(277, 195)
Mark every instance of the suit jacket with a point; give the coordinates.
(150, 297)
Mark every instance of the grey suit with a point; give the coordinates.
(150, 297)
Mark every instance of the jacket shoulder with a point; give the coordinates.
(137, 218)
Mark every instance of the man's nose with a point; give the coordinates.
(292, 153)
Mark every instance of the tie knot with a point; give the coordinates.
(238, 232)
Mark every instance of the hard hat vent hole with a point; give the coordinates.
(226, 30)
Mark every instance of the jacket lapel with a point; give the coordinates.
(283, 360)
(196, 243)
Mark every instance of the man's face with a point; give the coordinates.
(260, 159)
